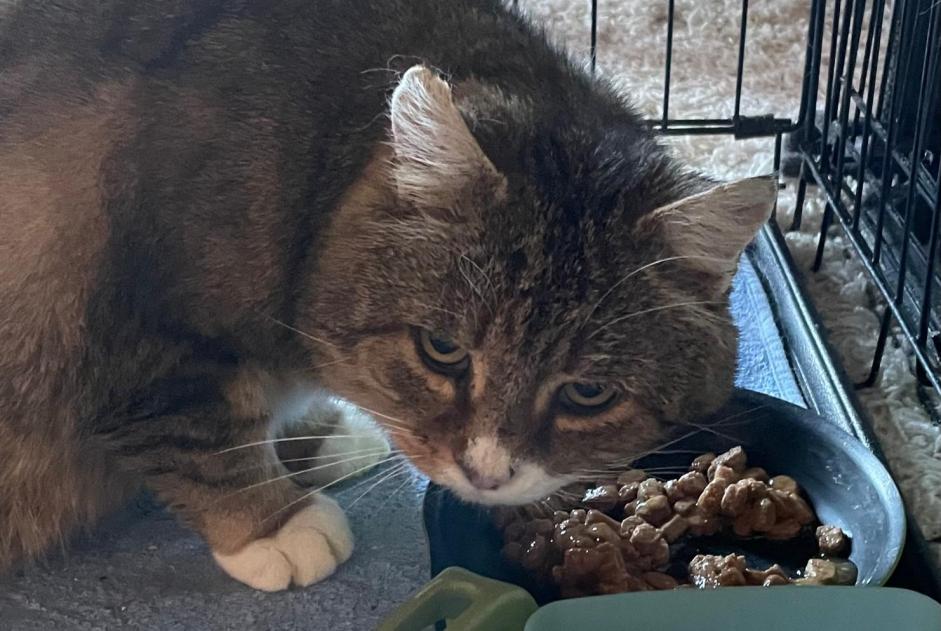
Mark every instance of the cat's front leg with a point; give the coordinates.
(214, 465)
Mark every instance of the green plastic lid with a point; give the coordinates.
(458, 600)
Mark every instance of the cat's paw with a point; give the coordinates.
(308, 548)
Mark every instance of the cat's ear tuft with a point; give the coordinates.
(713, 227)
(437, 162)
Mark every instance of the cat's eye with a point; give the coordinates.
(587, 398)
(442, 354)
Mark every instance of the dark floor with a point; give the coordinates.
(143, 570)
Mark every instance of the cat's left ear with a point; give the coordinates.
(712, 228)
(437, 164)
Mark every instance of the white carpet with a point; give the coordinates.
(631, 45)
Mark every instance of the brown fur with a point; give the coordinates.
(54, 236)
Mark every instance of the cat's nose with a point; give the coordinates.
(486, 481)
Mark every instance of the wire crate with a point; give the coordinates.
(867, 136)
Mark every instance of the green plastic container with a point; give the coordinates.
(468, 602)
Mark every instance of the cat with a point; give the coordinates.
(217, 217)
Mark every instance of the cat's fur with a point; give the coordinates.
(209, 208)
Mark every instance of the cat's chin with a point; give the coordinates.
(530, 484)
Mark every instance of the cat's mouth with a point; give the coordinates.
(485, 472)
(530, 482)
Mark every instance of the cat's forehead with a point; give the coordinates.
(541, 295)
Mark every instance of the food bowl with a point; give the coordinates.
(846, 484)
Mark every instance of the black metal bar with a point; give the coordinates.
(934, 38)
(875, 34)
(873, 272)
(694, 122)
(873, 376)
(805, 111)
(740, 70)
(894, 26)
(870, 44)
(925, 90)
(858, 7)
(777, 154)
(799, 203)
(825, 222)
(932, 63)
(812, 70)
(929, 276)
(668, 65)
(899, 162)
(744, 127)
(594, 34)
(776, 166)
(894, 106)
(833, 71)
(926, 82)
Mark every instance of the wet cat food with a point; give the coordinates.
(621, 535)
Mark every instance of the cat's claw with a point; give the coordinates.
(308, 548)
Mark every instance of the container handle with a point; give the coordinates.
(466, 602)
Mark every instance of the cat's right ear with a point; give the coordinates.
(711, 229)
(437, 162)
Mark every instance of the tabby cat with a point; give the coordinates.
(217, 214)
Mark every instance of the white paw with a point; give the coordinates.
(358, 447)
(308, 548)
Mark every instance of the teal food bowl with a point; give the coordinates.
(847, 485)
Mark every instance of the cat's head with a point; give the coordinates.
(523, 296)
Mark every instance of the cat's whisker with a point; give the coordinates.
(393, 428)
(303, 471)
(344, 454)
(285, 439)
(624, 463)
(647, 470)
(678, 452)
(405, 474)
(699, 428)
(423, 305)
(712, 430)
(299, 332)
(614, 470)
(616, 466)
(473, 286)
(378, 471)
(396, 431)
(396, 422)
(725, 420)
(389, 474)
(626, 277)
(594, 477)
(635, 314)
(310, 494)
(330, 363)
(482, 272)
(655, 450)
(398, 489)
(375, 451)
(373, 120)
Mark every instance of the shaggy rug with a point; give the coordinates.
(631, 52)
